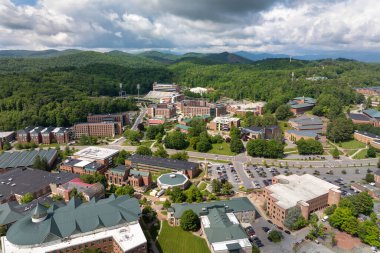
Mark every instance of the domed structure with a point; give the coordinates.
(171, 180)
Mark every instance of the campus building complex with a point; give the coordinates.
(100, 155)
(110, 225)
(161, 111)
(308, 123)
(220, 222)
(158, 164)
(102, 129)
(121, 119)
(307, 192)
(45, 135)
(122, 175)
(192, 108)
(367, 138)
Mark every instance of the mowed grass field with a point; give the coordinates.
(352, 144)
(175, 240)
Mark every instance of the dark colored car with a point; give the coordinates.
(265, 229)
(287, 231)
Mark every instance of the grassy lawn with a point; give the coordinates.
(174, 239)
(218, 149)
(352, 144)
(202, 186)
(209, 160)
(361, 155)
(147, 143)
(351, 152)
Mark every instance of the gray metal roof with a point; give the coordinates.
(165, 163)
(234, 205)
(75, 218)
(21, 181)
(25, 158)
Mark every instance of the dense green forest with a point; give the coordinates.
(61, 88)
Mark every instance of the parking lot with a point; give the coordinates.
(251, 176)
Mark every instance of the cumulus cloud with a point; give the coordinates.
(288, 26)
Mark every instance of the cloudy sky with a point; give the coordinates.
(279, 26)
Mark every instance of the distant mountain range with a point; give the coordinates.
(167, 57)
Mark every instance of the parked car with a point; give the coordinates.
(266, 229)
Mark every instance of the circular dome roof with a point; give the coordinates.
(172, 179)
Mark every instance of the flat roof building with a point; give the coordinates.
(307, 192)
(101, 155)
(17, 182)
(299, 105)
(110, 225)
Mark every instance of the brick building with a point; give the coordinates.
(88, 191)
(6, 137)
(23, 136)
(192, 108)
(122, 175)
(100, 155)
(365, 137)
(158, 164)
(111, 226)
(156, 121)
(369, 91)
(241, 109)
(18, 182)
(295, 135)
(300, 105)
(82, 167)
(224, 123)
(121, 119)
(103, 129)
(267, 133)
(308, 123)
(307, 192)
(165, 111)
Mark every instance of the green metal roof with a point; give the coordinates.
(8, 215)
(182, 127)
(234, 205)
(168, 179)
(119, 169)
(138, 173)
(221, 228)
(76, 217)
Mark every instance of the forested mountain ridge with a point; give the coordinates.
(61, 90)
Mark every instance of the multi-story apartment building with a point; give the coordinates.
(23, 136)
(165, 111)
(307, 192)
(122, 175)
(6, 137)
(121, 119)
(103, 129)
(192, 108)
(110, 225)
(35, 135)
(151, 163)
